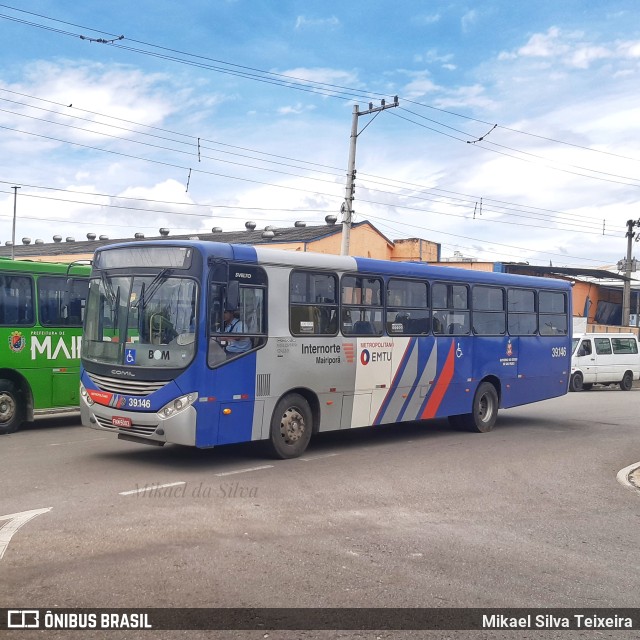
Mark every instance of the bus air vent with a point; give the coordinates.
(263, 384)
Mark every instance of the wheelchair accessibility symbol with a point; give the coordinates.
(459, 353)
(129, 356)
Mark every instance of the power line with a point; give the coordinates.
(510, 246)
(550, 166)
(466, 201)
(261, 74)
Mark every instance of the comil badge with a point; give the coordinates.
(17, 341)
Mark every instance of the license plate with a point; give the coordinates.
(119, 421)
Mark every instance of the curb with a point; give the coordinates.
(629, 477)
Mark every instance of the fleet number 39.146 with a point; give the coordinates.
(558, 352)
(141, 403)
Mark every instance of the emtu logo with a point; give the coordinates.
(365, 356)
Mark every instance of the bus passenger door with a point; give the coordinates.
(373, 378)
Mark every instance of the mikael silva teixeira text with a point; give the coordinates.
(548, 621)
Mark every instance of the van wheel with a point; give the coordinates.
(484, 412)
(627, 381)
(576, 382)
(11, 409)
(291, 427)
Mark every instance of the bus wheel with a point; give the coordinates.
(291, 427)
(485, 409)
(576, 383)
(627, 381)
(11, 410)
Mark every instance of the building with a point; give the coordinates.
(365, 241)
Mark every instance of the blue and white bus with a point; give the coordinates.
(328, 342)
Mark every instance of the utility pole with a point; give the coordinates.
(347, 206)
(628, 264)
(13, 233)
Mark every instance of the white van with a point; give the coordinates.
(604, 358)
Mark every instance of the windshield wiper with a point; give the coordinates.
(108, 287)
(147, 293)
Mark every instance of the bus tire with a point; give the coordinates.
(484, 411)
(11, 408)
(291, 427)
(577, 382)
(627, 381)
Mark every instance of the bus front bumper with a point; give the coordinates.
(178, 429)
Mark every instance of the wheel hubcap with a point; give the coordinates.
(485, 408)
(7, 407)
(292, 425)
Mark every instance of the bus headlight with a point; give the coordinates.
(177, 405)
(85, 395)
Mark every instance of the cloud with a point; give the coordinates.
(420, 85)
(468, 20)
(302, 22)
(296, 109)
(571, 50)
(324, 75)
(426, 19)
(432, 56)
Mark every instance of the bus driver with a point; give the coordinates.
(233, 324)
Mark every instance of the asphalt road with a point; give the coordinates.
(418, 515)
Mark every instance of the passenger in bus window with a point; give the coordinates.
(233, 324)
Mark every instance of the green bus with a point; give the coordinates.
(41, 313)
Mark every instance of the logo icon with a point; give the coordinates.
(129, 356)
(349, 351)
(23, 619)
(509, 348)
(17, 342)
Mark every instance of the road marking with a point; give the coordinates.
(623, 476)
(16, 520)
(324, 455)
(152, 487)
(230, 473)
(59, 444)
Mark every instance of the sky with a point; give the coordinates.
(516, 136)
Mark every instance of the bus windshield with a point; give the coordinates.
(146, 321)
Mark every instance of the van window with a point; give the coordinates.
(624, 345)
(585, 348)
(603, 346)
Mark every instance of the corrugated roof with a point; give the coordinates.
(281, 236)
(576, 272)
